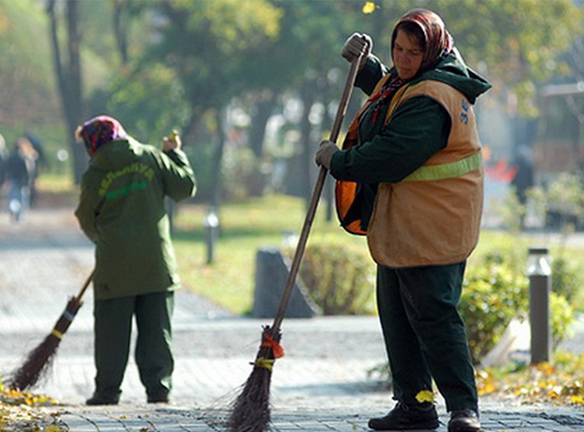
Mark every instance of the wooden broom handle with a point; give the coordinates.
(84, 287)
(341, 111)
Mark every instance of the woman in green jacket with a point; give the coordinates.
(409, 177)
(122, 211)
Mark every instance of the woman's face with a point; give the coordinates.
(407, 55)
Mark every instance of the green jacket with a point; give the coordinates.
(122, 211)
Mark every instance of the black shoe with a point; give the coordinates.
(98, 399)
(158, 398)
(404, 417)
(464, 421)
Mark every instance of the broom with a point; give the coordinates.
(251, 410)
(38, 360)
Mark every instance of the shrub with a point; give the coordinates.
(561, 318)
(566, 279)
(495, 291)
(492, 296)
(339, 278)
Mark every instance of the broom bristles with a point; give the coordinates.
(36, 364)
(39, 359)
(251, 410)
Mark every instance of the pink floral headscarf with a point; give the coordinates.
(100, 130)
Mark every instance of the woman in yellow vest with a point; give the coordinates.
(409, 177)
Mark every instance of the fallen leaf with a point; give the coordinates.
(425, 396)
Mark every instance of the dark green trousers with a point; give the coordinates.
(424, 333)
(153, 355)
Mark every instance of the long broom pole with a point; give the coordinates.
(309, 219)
(38, 360)
(251, 410)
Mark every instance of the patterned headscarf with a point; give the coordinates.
(100, 130)
(437, 40)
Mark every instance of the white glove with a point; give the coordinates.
(356, 44)
(325, 153)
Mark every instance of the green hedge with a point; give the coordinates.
(339, 277)
(493, 295)
(567, 279)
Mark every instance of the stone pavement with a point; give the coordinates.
(320, 385)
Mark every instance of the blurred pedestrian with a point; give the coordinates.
(41, 163)
(3, 158)
(121, 210)
(410, 177)
(524, 177)
(19, 169)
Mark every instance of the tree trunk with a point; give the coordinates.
(75, 104)
(69, 80)
(261, 114)
(257, 132)
(120, 29)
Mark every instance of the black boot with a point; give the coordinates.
(161, 397)
(464, 421)
(100, 399)
(405, 417)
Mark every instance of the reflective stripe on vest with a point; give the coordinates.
(447, 170)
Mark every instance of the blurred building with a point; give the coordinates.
(559, 146)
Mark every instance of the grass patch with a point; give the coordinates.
(56, 183)
(245, 228)
(56, 190)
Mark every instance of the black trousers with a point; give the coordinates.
(153, 355)
(424, 333)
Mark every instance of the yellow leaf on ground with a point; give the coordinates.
(425, 396)
(545, 368)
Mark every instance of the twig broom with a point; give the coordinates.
(38, 360)
(251, 410)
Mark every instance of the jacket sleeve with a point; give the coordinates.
(369, 76)
(87, 210)
(178, 178)
(417, 130)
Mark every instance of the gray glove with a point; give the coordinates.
(356, 44)
(325, 153)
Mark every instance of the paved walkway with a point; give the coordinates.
(321, 384)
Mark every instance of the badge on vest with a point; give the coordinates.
(464, 113)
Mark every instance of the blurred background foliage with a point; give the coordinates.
(260, 66)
